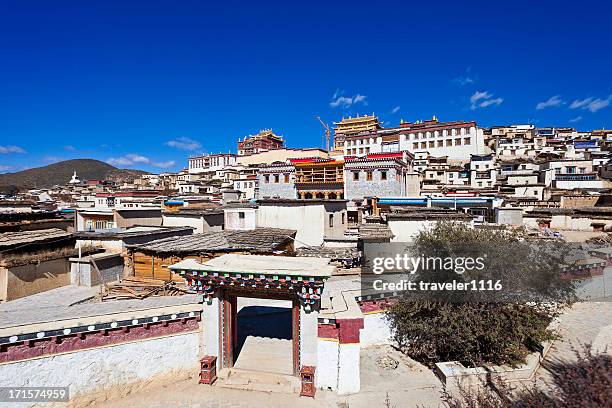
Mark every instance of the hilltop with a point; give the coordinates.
(60, 173)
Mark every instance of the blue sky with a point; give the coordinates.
(146, 84)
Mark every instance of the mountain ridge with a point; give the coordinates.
(61, 172)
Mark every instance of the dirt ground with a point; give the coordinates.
(383, 371)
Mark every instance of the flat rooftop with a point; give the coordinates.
(261, 265)
(73, 305)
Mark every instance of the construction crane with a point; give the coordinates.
(327, 132)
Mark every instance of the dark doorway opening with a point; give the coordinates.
(265, 335)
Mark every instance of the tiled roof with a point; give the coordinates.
(12, 239)
(329, 252)
(375, 231)
(259, 240)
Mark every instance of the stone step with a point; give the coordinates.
(250, 380)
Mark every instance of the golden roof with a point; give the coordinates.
(264, 133)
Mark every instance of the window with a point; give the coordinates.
(415, 146)
(449, 142)
(423, 145)
(535, 193)
(570, 169)
(467, 141)
(355, 176)
(383, 175)
(440, 143)
(431, 144)
(286, 178)
(457, 142)
(369, 176)
(331, 220)
(343, 218)
(450, 175)
(276, 178)
(582, 170)
(99, 224)
(241, 215)
(266, 178)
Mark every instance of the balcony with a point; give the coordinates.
(576, 177)
(522, 172)
(483, 175)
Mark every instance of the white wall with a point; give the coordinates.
(326, 376)
(101, 369)
(376, 330)
(177, 221)
(234, 222)
(308, 338)
(406, 230)
(308, 220)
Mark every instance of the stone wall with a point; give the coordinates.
(280, 189)
(358, 189)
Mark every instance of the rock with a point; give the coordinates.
(387, 363)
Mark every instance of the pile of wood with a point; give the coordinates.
(140, 288)
(601, 241)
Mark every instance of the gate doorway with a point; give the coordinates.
(260, 333)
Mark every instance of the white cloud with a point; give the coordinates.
(483, 100)
(134, 159)
(4, 168)
(137, 158)
(580, 103)
(462, 81)
(576, 119)
(11, 149)
(395, 110)
(489, 102)
(69, 148)
(52, 159)
(551, 102)
(466, 79)
(120, 161)
(347, 101)
(591, 104)
(479, 95)
(184, 143)
(164, 165)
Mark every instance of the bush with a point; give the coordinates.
(474, 334)
(477, 327)
(585, 383)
